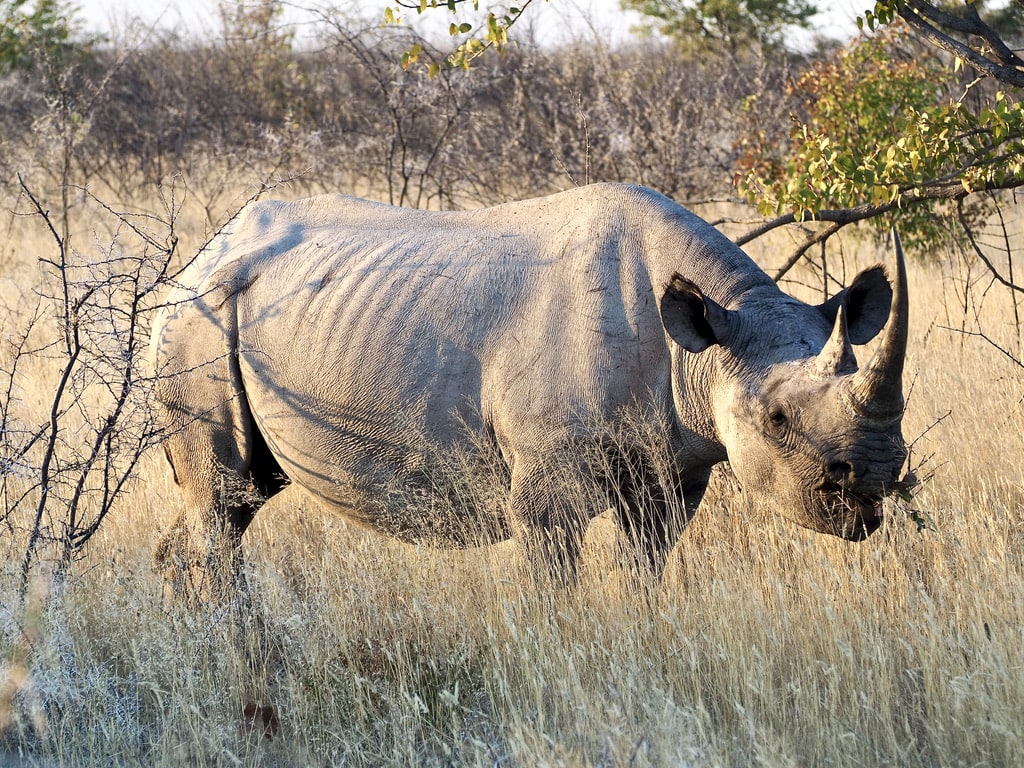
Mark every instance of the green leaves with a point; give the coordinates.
(885, 13)
(726, 23)
(411, 56)
(879, 127)
(31, 33)
(490, 32)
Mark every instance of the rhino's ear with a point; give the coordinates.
(694, 321)
(867, 301)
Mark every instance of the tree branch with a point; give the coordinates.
(971, 24)
(930, 22)
(812, 239)
(984, 337)
(841, 216)
(945, 189)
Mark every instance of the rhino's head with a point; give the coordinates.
(805, 430)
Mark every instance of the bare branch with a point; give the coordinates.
(930, 22)
(814, 238)
(953, 190)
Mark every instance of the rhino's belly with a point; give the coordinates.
(412, 486)
(389, 435)
(419, 514)
(431, 506)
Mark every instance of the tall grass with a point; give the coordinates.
(764, 645)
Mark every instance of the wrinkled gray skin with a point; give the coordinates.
(327, 341)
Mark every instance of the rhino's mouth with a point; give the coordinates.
(853, 516)
(868, 511)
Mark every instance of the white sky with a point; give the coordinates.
(201, 15)
(553, 20)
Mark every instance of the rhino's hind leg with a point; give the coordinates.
(200, 554)
(225, 476)
(220, 461)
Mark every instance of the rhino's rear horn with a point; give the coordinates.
(877, 390)
(837, 357)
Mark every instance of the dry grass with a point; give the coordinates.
(766, 645)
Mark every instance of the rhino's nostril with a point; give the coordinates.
(839, 471)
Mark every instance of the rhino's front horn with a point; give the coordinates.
(877, 390)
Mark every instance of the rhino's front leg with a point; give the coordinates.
(550, 520)
(653, 517)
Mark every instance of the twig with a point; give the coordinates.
(981, 254)
(984, 337)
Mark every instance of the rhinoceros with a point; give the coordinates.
(330, 342)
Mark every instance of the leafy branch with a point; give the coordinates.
(492, 32)
(939, 190)
(880, 130)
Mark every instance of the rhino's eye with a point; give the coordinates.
(777, 417)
